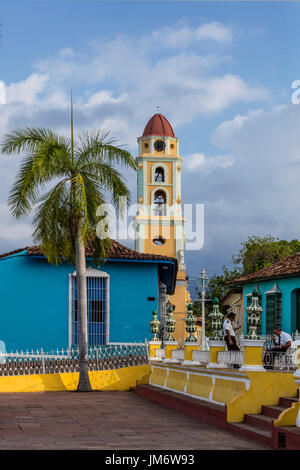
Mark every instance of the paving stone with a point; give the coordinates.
(103, 420)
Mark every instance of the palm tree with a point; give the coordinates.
(83, 172)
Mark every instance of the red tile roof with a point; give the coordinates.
(158, 125)
(118, 251)
(11, 253)
(286, 267)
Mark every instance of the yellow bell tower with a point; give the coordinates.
(159, 223)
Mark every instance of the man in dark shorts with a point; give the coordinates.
(229, 332)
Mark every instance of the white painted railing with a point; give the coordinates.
(178, 355)
(230, 359)
(160, 354)
(110, 356)
(281, 360)
(201, 356)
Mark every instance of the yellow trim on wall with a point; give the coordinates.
(176, 380)
(288, 417)
(158, 376)
(199, 385)
(242, 392)
(265, 389)
(226, 390)
(116, 379)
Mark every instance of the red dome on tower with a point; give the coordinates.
(158, 125)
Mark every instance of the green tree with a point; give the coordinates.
(259, 252)
(255, 253)
(83, 173)
(217, 287)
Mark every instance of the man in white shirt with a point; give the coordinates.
(229, 332)
(282, 340)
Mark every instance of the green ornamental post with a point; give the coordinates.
(254, 312)
(190, 325)
(216, 318)
(170, 324)
(154, 326)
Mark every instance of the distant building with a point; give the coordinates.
(38, 300)
(279, 292)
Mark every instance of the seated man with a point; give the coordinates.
(282, 342)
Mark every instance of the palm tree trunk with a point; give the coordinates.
(84, 381)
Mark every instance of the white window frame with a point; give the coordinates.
(160, 188)
(90, 272)
(153, 169)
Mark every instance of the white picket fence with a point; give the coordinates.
(110, 356)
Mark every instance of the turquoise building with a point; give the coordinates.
(279, 289)
(38, 301)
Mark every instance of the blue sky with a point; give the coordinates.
(221, 72)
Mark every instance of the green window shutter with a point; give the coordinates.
(273, 312)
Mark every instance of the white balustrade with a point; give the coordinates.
(201, 356)
(178, 355)
(230, 358)
(160, 353)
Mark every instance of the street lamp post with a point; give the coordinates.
(204, 281)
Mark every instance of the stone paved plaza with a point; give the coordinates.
(103, 420)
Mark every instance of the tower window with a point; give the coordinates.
(160, 203)
(159, 241)
(159, 175)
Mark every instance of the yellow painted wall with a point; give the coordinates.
(176, 380)
(199, 386)
(226, 390)
(116, 379)
(158, 376)
(146, 146)
(230, 387)
(265, 389)
(179, 300)
(173, 150)
(288, 417)
(164, 231)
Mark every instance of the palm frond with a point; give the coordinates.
(95, 146)
(51, 223)
(48, 158)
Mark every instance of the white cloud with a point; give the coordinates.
(17, 232)
(202, 163)
(27, 91)
(223, 135)
(185, 36)
(259, 194)
(117, 84)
